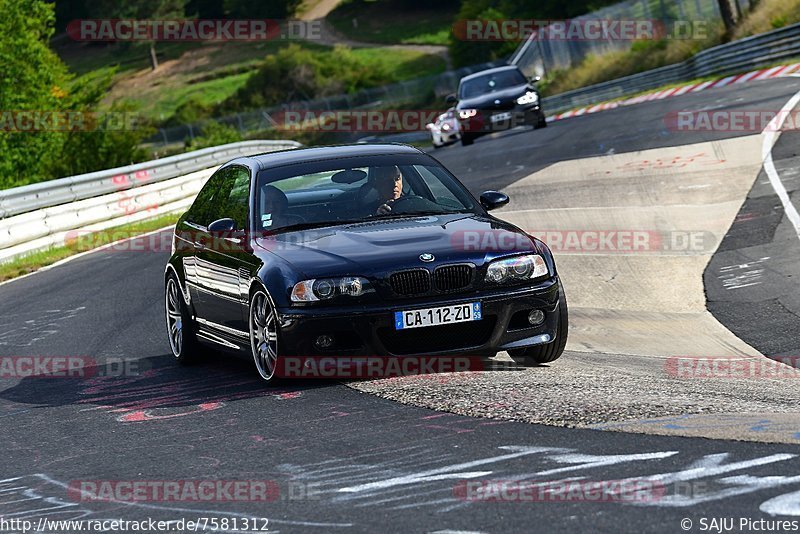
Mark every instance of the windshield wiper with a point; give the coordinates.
(391, 215)
(311, 225)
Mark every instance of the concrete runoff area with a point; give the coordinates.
(637, 311)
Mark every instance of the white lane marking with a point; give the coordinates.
(771, 134)
(786, 504)
(81, 254)
(742, 275)
(588, 461)
(713, 465)
(456, 468)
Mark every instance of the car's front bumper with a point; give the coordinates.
(370, 331)
(482, 123)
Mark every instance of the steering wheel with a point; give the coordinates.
(404, 200)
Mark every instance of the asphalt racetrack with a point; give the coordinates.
(350, 457)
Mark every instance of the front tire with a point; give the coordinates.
(264, 335)
(467, 140)
(533, 356)
(541, 122)
(180, 326)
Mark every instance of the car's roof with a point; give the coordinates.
(304, 155)
(489, 71)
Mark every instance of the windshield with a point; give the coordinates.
(356, 192)
(489, 83)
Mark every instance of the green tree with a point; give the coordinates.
(33, 78)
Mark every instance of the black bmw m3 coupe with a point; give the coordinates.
(362, 250)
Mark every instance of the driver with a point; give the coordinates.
(388, 182)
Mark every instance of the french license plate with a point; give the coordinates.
(460, 313)
(501, 116)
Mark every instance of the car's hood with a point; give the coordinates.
(382, 246)
(506, 97)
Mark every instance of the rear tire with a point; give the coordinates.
(533, 356)
(467, 140)
(181, 329)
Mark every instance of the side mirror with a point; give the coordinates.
(493, 199)
(226, 229)
(222, 226)
(450, 99)
(535, 79)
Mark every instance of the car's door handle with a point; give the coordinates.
(199, 246)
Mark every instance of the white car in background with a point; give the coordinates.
(445, 130)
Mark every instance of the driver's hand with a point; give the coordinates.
(383, 209)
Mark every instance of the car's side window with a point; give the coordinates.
(202, 210)
(441, 193)
(234, 196)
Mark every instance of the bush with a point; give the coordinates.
(297, 73)
(214, 134)
(189, 112)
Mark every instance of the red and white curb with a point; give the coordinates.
(774, 72)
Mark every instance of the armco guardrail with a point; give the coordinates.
(55, 192)
(740, 55)
(43, 215)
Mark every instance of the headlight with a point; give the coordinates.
(467, 113)
(518, 268)
(445, 127)
(528, 98)
(327, 288)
